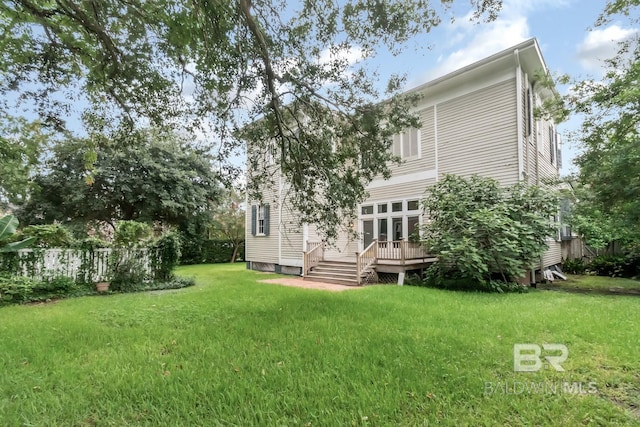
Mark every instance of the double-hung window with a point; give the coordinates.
(406, 145)
(260, 220)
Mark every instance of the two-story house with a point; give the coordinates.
(476, 120)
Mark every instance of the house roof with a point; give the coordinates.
(526, 54)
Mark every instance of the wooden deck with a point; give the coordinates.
(398, 256)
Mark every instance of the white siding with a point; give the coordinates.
(553, 255)
(291, 235)
(264, 248)
(477, 134)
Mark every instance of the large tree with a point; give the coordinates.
(217, 66)
(608, 205)
(145, 176)
(21, 144)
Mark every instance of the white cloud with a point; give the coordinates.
(602, 44)
(493, 38)
(475, 42)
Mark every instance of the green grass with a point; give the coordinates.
(600, 283)
(231, 351)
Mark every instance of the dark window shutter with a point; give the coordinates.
(254, 217)
(266, 220)
(552, 144)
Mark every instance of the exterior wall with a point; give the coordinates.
(537, 166)
(476, 134)
(291, 233)
(263, 249)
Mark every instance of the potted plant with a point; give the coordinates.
(102, 286)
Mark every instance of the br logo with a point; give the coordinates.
(526, 357)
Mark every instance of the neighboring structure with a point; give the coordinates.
(476, 120)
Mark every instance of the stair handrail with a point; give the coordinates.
(312, 256)
(366, 259)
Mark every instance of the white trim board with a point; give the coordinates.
(402, 179)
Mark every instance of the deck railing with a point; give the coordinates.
(401, 250)
(366, 259)
(313, 256)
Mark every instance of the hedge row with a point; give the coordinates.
(208, 251)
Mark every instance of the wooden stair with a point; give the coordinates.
(338, 272)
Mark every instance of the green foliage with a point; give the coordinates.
(131, 233)
(174, 283)
(574, 266)
(615, 265)
(20, 289)
(210, 251)
(228, 224)
(49, 236)
(8, 226)
(168, 248)
(146, 175)
(271, 63)
(15, 289)
(480, 231)
(92, 243)
(127, 273)
(21, 144)
(608, 191)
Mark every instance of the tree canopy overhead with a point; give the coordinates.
(608, 182)
(216, 66)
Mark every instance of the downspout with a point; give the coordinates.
(280, 203)
(537, 143)
(435, 139)
(519, 112)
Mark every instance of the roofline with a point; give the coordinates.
(527, 44)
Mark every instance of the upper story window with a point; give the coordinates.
(413, 205)
(529, 111)
(406, 145)
(552, 144)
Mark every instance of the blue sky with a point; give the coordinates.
(564, 29)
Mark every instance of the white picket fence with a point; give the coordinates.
(95, 266)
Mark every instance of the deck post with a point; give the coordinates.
(305, 262)
(402, 255)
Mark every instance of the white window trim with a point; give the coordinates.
(260, 217)
(389, 215)
(405, 134)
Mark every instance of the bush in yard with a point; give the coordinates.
(574, 266)
(485, 236)
(49, 235)
(131, 233)
(615, 265)
(169, 251)
(15, 289)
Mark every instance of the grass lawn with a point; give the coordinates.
(230, 351)
(598, 283)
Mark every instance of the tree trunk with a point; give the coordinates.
(235, 252)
